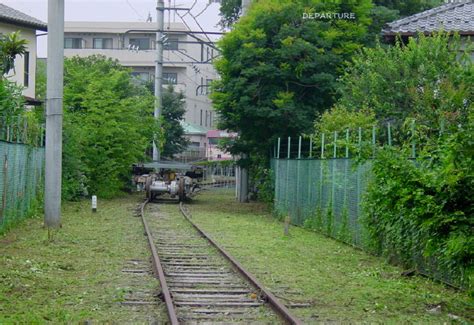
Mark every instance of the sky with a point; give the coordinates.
(119, 10)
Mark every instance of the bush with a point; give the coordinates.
(108, 126)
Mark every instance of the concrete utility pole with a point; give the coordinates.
(243, 179)
(158, 71)
(54, 114)
(245, 6)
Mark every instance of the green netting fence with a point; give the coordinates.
(323, 194)
(21, 170)
(319, 183)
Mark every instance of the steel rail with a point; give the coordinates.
(276, 305)
(158, 270)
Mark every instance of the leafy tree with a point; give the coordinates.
(279, 70)
(423, 204)
(12, 102)
(429, 79)
(229, 11)
(173, 112)
(108, 126)
(11, 45)
(382, 12)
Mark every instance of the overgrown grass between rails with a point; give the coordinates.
(341, 283)
(78, 275)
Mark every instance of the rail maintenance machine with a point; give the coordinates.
(175, 179)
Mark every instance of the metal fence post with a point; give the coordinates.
(373, 141)
(347, 143)
(299, 147)
(360, 141)
(278, 150)
(311, 146)
(389, 130)
(335, 145)
(322, 145)
(289, 148)
(413, 140)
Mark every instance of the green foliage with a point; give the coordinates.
(11, 99)
(11, 45)
(278, 70)
(173, 111)
(229, 12)
(426, 205)
(339, 118)
(429, 79)
(263, 179)
(41, 79)
(108, 126)
(408, 7)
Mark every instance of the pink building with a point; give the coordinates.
(213, 152)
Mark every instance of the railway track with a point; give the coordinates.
(200, 282)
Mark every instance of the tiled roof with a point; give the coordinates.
(15, 17)
(455, 16)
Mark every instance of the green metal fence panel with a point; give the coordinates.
(326, 193)
(21, 170)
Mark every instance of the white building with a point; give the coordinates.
(24, 73)
(187, 58)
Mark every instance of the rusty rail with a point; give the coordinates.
(158, 270)
(276, 305)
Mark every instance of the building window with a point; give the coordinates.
(141, 43)
(201, 118)
(172, 44)
(103, 43)
(26, 74)
(73, 43)
(170, 78)
(141, 76)
(205, 121)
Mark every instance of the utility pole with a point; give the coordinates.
(54, 114)
(245, 6)
(158, 71)
(243, 181)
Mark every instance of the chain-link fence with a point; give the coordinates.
(322, 194)
(320, 185)
(21, 171)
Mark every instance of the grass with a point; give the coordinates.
(78, 275)
(342, 284)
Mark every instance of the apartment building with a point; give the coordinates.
(12, 20)
(186, 59)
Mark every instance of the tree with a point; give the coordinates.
(279, 70)
(429, 79)
(382, 12)
(229, 11)
(108, 126)
(11, 98)
(11, 45)
(173, 112)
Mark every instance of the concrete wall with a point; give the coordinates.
(17, 75)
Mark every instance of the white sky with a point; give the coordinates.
(118, 10)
